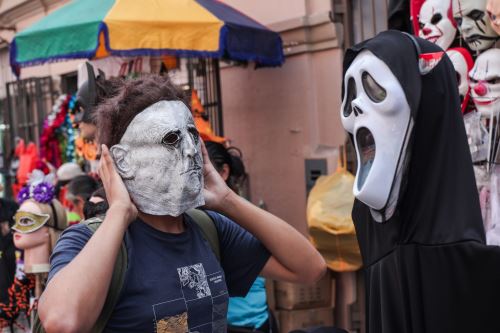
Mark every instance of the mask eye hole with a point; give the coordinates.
(171, 139)
(436, 18)
(350, 96)
(26, 221)
(374, 91)
(476, 15)
(494, 80)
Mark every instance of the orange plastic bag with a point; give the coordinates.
(331, 229)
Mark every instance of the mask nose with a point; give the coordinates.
(189, 147)
(357, 111)
(466, 26)
(426, 31)
(480, 89)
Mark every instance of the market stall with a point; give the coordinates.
(126, 38)
(465, 31)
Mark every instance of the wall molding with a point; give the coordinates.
(12, 15)
(310, 33)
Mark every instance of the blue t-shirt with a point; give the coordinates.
(251, 310)
(173, 281)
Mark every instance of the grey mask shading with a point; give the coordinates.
(159, 159)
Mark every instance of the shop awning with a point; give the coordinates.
(189, 28)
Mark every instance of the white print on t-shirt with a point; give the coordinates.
(202, 308)
(194, 277)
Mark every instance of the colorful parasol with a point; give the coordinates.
(187, 28)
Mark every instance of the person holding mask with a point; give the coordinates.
(155, 171)
(79, 191)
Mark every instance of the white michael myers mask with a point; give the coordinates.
(377, 114)
(436, 23)
(462, 71)
(159, 159)
(474, 23)
(485, 83)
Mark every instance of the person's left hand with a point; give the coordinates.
(215, 189)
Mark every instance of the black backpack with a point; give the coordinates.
(209, 232)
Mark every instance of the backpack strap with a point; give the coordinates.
(207, 226)
(117, 279)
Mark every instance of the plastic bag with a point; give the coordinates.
(493, 227)
(477, 136)
(331, 229)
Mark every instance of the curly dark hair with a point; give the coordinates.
(113, 115)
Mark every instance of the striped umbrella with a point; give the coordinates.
(187, 28)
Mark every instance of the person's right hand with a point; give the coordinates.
(116, 192)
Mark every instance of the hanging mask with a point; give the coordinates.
(462, 62)
(377, 114)
(436, 23)
(485, 83)
(159, 159)
(474, 24)
(26, 222)
(86, 96)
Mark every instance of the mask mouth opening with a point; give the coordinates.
(366, 148)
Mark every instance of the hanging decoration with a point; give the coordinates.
(57, 142)
(466, 31)
(201, 120)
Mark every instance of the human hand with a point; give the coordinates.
(215, 189)
(116, 192)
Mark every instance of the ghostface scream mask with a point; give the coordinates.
(436, 23)
(474, 23)
(159, 159)
(485, 83)
(377, 114)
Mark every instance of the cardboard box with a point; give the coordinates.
(290, 320)
(291, 296)
(270, 294)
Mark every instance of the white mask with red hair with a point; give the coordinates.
(436, 23)
(462, 62)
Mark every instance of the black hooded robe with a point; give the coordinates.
(428, 269)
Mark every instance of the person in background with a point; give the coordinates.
(64, 174)
(79, 190)
(96, 205)
(249, 313)
(8, 209)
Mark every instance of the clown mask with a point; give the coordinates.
(462, 62)
(485, 83)
(436, 23)
(159, 159)
(474, 24)
(376, 112)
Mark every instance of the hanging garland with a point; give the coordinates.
(19, 301)
(57, 142)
